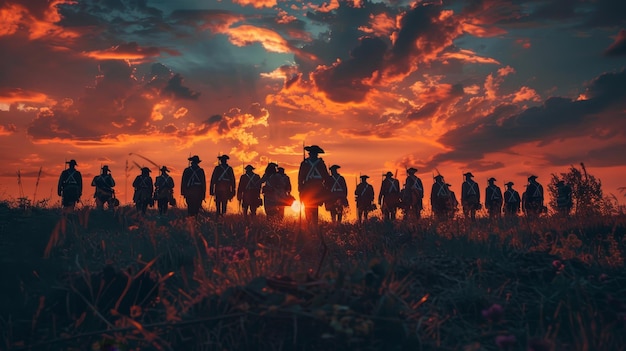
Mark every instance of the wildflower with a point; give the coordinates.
(494, 313)
(135, 311)
(505, 341)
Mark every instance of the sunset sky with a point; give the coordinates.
(499, 88)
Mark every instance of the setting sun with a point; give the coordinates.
(296, 206)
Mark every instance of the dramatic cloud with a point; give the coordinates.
(558, 118)
(130, 51)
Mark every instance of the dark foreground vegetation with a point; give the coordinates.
(118, 281)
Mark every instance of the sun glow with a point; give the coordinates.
(296, 206)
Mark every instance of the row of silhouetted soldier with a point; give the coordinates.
(317, 186)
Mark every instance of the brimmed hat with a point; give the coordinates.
(388, 174)
(145, 170)
(314, 149)
(334, 167)
(105, 168)
(509, 183)
(364, 176)
(71, 162)
(281, 169)
(411, 170)
(532, 177)
(164, 169)
(438, 176)
(492, 179)
(223, 157)
(194, 159)
(249, 168)
(468, 174)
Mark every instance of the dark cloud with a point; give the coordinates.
(618, 47)
(425, 112)
(421, 37)
(176, 89)
(607, 156)
(344, 81)
(557, 119)
(119, 103)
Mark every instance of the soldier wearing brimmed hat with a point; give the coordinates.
(222, 185)
(143, 190)
(193, 186)
(493, 199)
(512, 200)
(70, 186)
(389, 196)
(470, 196)
(364, 194)
(272, 191)
(440, 199)
(413, 194)
(337, 190)
(164, 191)
(532, 198)
(564, 201)
(311, 178)
(284, 191)
(249, 192)
(104, 192)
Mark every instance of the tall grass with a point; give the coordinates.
(404, 285)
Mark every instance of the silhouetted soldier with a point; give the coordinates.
(222, 185)
(512, 201)
(70, 186)
(453, 203)
(311, 178)
(532, 199)
(440, 200)
(389, 196)
(364, 194)
(285, 193)
(337, 191)
(493, 199)
(413, 194)
(470, 196)
(249, 192)
(104, 192)
(193, 186)
(164, 191)
(143, 190)
(272, 185)
(564, 201)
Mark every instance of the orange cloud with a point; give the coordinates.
(7, 130)
(11, 17)
(247, 35)
(326, 7)
(256, 3)
(15, 95)
(381, 25)
(526, 94)
(468, 56)
(482, 31)
(131, 52)
(14, 17)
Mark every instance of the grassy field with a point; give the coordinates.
(118, 281)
